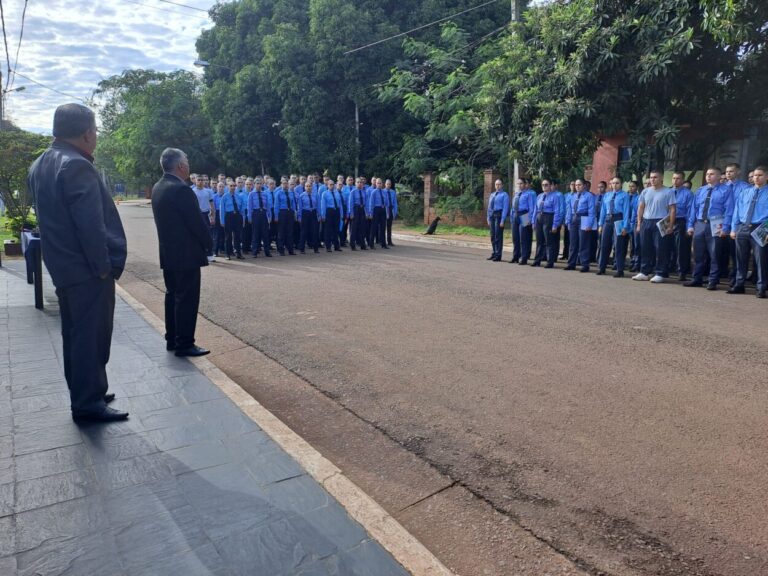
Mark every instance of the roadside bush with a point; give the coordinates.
(453, 206)
(15, 224)
(411, 209)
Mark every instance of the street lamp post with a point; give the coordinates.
(2, 98)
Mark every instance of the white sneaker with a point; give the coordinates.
(658, 279)
(640, 277)
(211, 258)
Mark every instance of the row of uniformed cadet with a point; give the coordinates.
(712, 225)
(250, 214)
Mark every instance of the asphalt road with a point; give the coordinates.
(621, 423)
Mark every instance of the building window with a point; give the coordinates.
(625, 154)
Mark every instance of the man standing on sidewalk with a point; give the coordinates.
(498, 210)
(84, 249)
(750, 211)
(184, 244)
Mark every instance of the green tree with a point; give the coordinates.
(18, 149)
(143, 112)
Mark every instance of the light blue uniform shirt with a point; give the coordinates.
(283, 201)
(584, 206)
(720, 205)
(244, 203)
(684, 198)
(378, 198)
(743, 202)
(525, 202)
(568, 203)
(229, 203)
(499, 200)
(327, 201)
(634, 204)
(356, 198)
(307, 202)
(621, 205)
(550, 203)
(259, 199)
(392, 212)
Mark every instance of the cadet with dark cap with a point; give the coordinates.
(84, 249)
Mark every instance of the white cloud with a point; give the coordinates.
(71, 45)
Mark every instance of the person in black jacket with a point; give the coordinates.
(184, 246)
(84, 249)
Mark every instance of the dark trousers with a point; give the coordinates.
(546, 240)
(207, 221)
(233, 228)
(606, 245)
(390, 219)
(296, 230)
(344, 233)
(285, 231)
(566, 241)
(182, 298)
(707, 249)
(331, 229)
(368, 227)
(573, 247)
(594, 245)
(260, 237)
(522, 239)
(273, 228)
(585, 248)
(357, 228)
(218, 233)
(680, 254)
(247, 234)
(746, 245)
(309, 230)
(87, 311)
(637, 252)
(655, 259)
(728, 259)
(497, 234)
(379, 226)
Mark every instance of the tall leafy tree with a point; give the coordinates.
(143, 112)
(18, 149)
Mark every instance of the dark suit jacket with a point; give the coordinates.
(80, 230)
(184, 239)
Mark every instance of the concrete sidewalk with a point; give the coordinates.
(189, 485)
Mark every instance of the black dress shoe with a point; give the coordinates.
(239, 256)
(682, 277)
(549, 266)
(338, 250)
(522, 263)
(619, 275)
(491, 257)
(711, 286)
(354, 249)
(514, 260)
(192, 351)
(104, 415)
(760, 294)
(385, 247)
(583, 270)
(735, 290)
(570, 268)
(692, 283)
(535, 264)
(170, 347)
(496, 259)
(600, 272)
(268, 255)
(108, 397)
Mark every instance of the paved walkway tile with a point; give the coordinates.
(188, 486)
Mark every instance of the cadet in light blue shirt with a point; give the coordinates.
(636, 249)
(260, 216)
(548, 216)
(231, 219)
(584, 220)
(522, 214)
(712, 206)
(498, 210)
(680, 252)
(614, 224)
(284, 210)
(308, 219)
(750, 212)
(331, 213)
(391, 209)
(656, 203)
(378, 204)
(207, 209)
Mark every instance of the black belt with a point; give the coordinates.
(521, 212)
(615, 217)
(582, 214)
(496, 213)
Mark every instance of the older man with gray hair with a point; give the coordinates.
(184, 246)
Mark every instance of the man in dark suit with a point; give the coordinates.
(84, 249)
(184, 247)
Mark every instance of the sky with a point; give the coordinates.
(71, 45)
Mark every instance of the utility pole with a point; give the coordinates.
(357, 140)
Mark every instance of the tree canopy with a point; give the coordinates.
(18, 149)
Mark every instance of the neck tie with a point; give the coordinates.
(311, 207)
(611, 203)
(288, 199)
(258, 200)
(707, 201)
(360, 196)
(335, 205)
(752, 204)
(493, 202)
(516, 202)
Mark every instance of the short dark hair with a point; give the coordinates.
(761, 168)
(733, 165)
(72, 120)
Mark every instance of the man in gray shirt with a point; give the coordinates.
(656, 203)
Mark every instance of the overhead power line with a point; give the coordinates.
(420, 27)
(49, 87)
(5, 40)
(169, 11)
(18, 46)
(184, 6)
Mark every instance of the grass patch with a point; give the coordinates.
(455, 230)
(5, 233)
